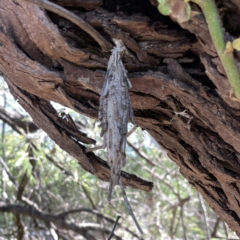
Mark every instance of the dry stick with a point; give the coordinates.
(105, 45)
(129, 206)
(94, 148)
(115, 224)
(215, 228)
(140, 154)
(204, 215)
(8, 171)
(132, 130)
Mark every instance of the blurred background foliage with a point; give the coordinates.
(34, 171)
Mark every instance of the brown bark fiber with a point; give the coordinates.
(180, 93)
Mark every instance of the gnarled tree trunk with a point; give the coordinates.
(180, 93)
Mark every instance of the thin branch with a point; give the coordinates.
(162, 179)
(105, 45)
(176, 227)
(57, 165)
(94, 148)
(3, 146)
(70, 174)
(89, 210)
(129, 206)
(16, 185)
(8, 172)
(72, 211)
(183, 223)
(88, 195)
(17, 121)
(172, 222)
(22, 185)
(225, 229)
(30, 203)
(132, 130)
(112, 233)
(174, 207)
(20, 226)
(32, 212)
(204, 215)
(215, 228)
(142, 155)
(83, 187)
(25, 179)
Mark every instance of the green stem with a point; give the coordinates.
(210, 11)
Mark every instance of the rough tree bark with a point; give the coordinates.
(180, 93)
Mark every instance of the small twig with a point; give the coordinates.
(8, 172)
(115, 224)
(215, 228)
(58, 166)
(34, 213)
(16, 185)
(20, 226)
(98, 214)
(105, 45)
(225, 229)
(204, 215)
(132, 130)
(140, 154)
(129, 206)
(183, 223)
(94, 148)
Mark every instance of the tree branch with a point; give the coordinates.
(129, 207)
(72, 211)
(46, 117)
(16, 186)
(115, 224)
(16, 121)
(32, 212)
(106, 46)
(204, 210)
(8, 172)
(20, 226)
(140, 154)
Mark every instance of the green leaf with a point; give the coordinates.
(163, 7)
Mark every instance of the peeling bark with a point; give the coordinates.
(180, 93)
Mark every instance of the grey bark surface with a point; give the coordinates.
(172, 69)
